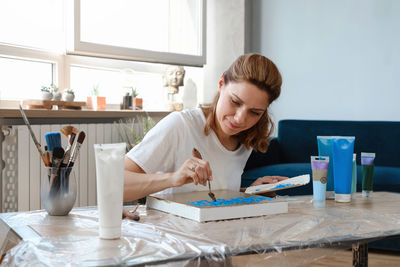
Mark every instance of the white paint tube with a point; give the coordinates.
(110, 183)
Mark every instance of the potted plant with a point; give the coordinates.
(137, 103)
(69, 95)
(95, 101)
(46, 93)
(56, 92)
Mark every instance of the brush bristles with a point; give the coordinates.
(53, 140)
(67, 130)
(58, 152)
(81, 137)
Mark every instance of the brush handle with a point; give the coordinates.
(74, 155)
(37, 144)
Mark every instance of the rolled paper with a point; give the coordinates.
(367, 169)
(325, 149)
(343, 148)
(319, 166)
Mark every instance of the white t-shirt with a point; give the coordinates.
(170, 143)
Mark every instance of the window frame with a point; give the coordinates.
(77, 47)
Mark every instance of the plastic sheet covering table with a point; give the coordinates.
(37, 239)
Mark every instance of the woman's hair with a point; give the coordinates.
(262, 72)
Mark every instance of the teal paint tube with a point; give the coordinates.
(343, 148)
(319, 166)
(367, 169)
(354, 177)
(325, 149)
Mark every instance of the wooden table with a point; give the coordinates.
(159, 238)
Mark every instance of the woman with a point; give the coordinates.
(224, 134)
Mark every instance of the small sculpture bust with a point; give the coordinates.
(173, 78)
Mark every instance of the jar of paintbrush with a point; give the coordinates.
(58, 190)
(58, 187)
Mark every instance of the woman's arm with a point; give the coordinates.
(138, 184)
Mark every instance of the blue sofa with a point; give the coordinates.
(289, 155)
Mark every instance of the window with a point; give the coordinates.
(113, 36)
(35, 75)
(35, 24)
(167, 31)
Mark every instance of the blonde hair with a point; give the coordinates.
(263, 73)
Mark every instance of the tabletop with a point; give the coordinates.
(160, 237)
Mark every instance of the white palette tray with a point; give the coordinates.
(285, 184)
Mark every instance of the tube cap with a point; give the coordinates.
(342, 197)
(366, 193)
(330, 194)
(110, 232)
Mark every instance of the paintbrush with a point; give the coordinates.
(37, 144)
(197, 154)
(73, 156)
(75, 150)
(58, 154)
(70, 132)
(53, 140)
(68, 149)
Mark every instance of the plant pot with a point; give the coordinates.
(137, 103)
(47, 96)
(96, 102)
(69, 97)
(57, 96)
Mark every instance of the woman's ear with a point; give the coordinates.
(221, 82)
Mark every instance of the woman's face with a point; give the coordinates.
(240, 107)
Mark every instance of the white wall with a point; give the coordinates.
(339, 59)
(225, 41)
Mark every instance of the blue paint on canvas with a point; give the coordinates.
(233, 201)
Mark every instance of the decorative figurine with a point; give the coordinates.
(173, 78)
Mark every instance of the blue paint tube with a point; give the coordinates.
(325, 149)
(367, 168)
(354, 177)
(319, 166)
(343, 148)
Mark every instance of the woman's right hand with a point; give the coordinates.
(194, 170)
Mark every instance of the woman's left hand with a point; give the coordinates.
(268, 180)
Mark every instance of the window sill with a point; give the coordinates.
(68, 113)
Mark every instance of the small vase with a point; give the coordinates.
(69, 97)
(47, 96)
(57, 96)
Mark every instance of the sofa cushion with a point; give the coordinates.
(298, 138)
(382, 175)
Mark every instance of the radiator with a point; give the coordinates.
(23, 168)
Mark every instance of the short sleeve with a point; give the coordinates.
(157, 151)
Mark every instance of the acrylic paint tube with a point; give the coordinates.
(319, 166)
(110, 188)
(343, 148)
(354, 177)
(325, 149)
(367, 169)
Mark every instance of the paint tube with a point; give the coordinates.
(354, 177)
(319, 166)
(110, 188)
(325, 149)
(343, 148)
(367, 169)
